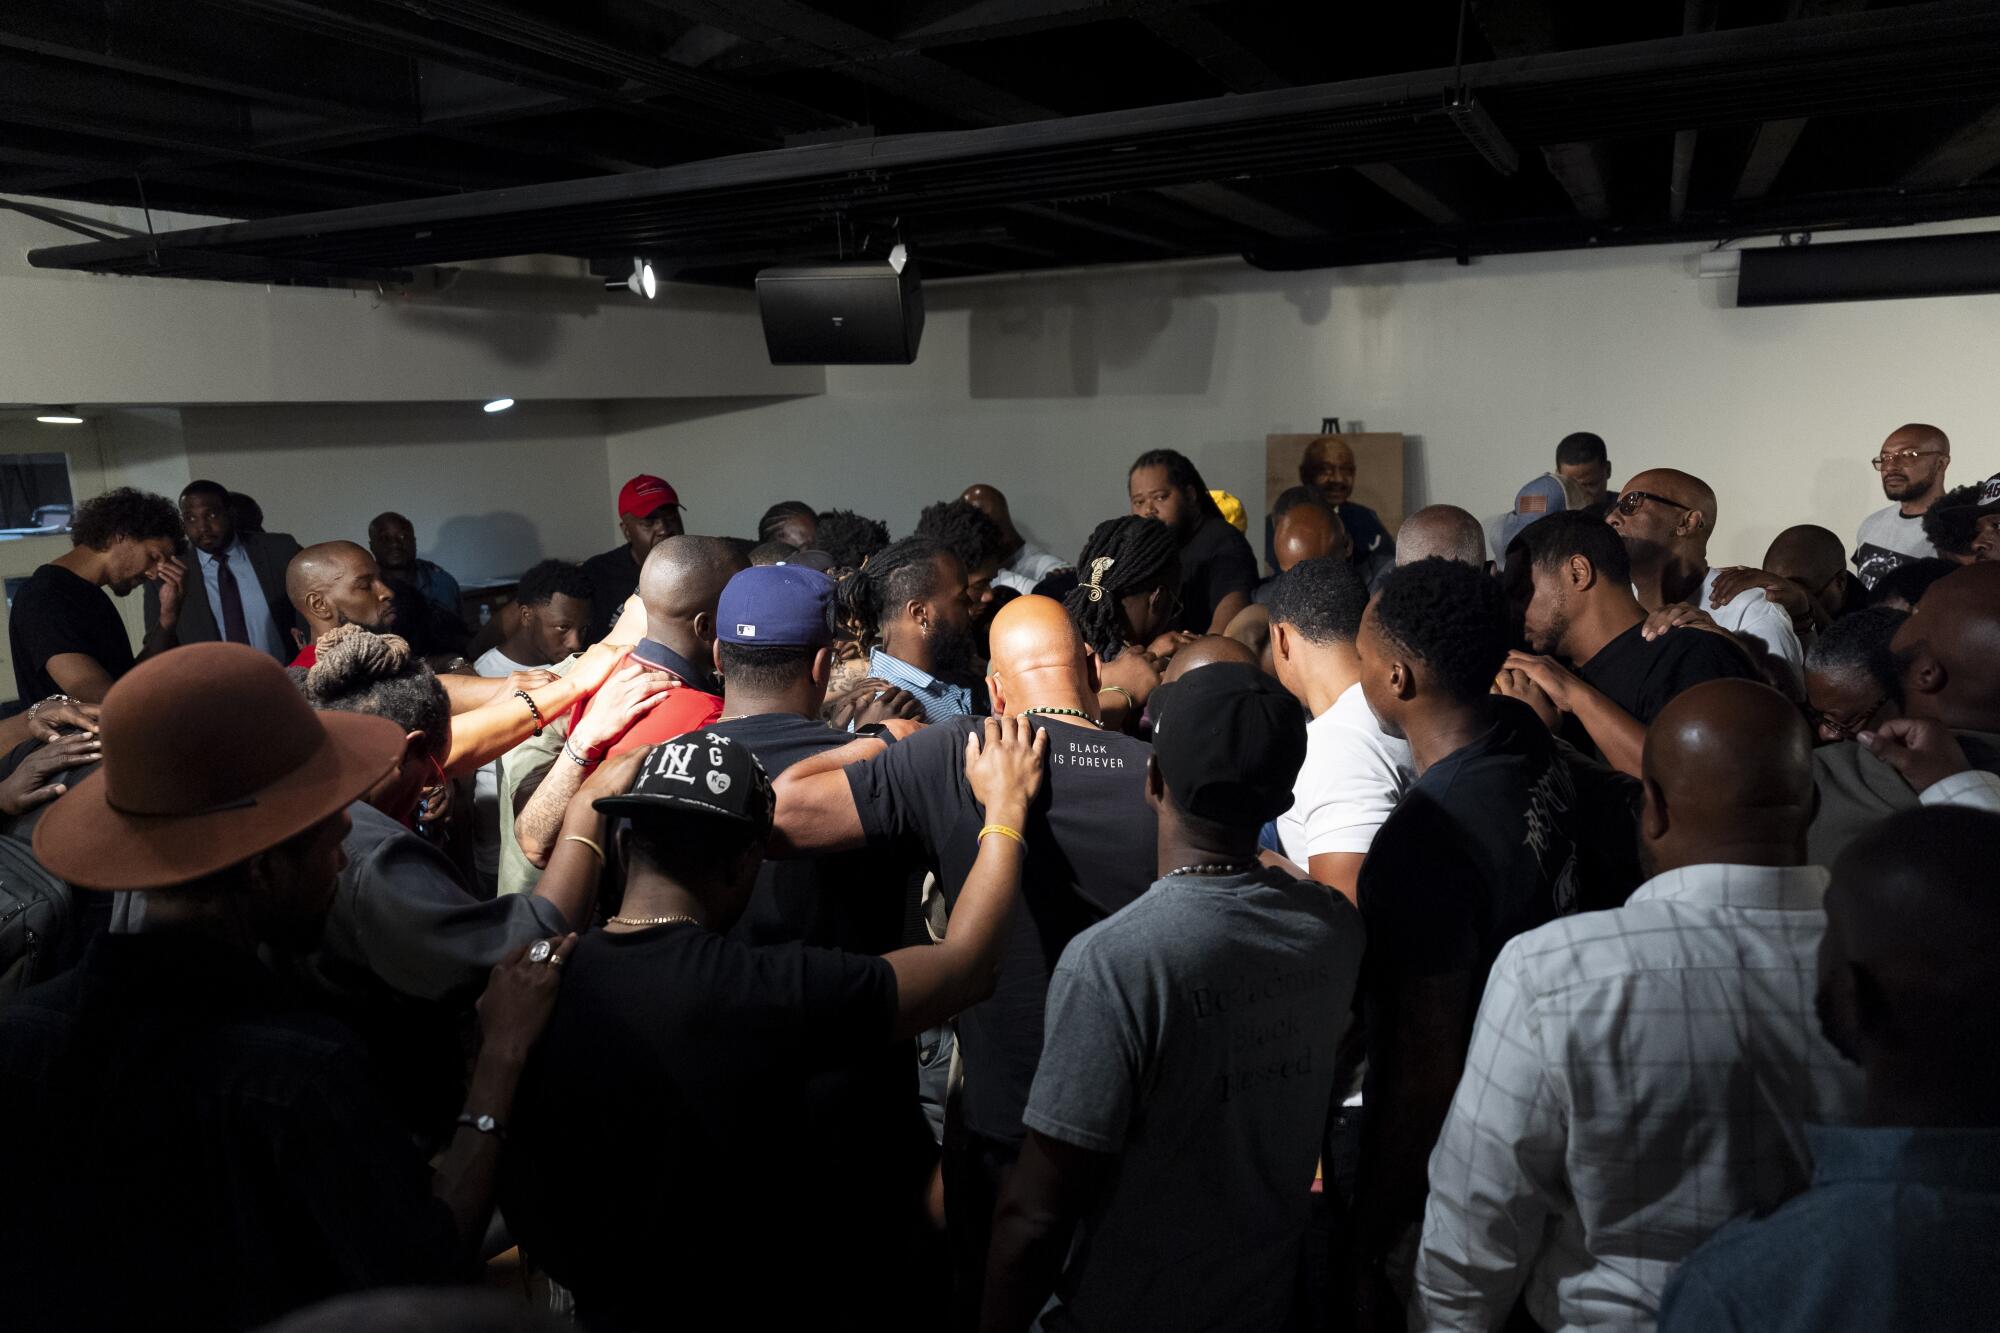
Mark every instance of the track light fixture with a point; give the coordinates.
(60, 417)
(643, 282)
(498, 405)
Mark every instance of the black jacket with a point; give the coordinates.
(269, 553)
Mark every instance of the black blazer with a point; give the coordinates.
(269, 553)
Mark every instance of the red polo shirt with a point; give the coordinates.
(686, 708)
(308, 655)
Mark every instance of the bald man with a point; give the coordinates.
(1804, 572)
(1090, 839)
(1912, 463)
(1327, 471)
(1023, 565)
(1665, 518)
(1639, 1076)
(1949, 657)
(1445, 531)
(679, 586)
(1207, 650)
(334, 584)
(1897, 1231)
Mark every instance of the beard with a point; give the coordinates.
(951, 649)
(1902, 488)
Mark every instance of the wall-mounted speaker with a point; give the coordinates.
(867, 313)
(1870, 270)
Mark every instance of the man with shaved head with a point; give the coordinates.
(1090, 840)
(1804, 571)
(1897, 1230)
(1023, 565)
(1912, 461)
(1639, 1076)
(1326, 473)
(1445, 531)
(679, 586)
(334, 584)
(1948, 654)
(1665, 518)
(1207, 650)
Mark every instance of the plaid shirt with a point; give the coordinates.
(1636, 1078)
(941, 700)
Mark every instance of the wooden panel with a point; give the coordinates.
(1378, 470)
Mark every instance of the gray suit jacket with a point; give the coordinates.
(269, 553)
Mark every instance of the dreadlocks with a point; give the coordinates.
(1181, 475)
(1123, 556)
(898, 573)
(972, 537)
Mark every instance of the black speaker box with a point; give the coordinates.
(852, 314)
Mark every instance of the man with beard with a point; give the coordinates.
(334, 584)
(1665, 518)
(1571, 584)
(1327, 469)
(1912, 461)
(1637, 1077)
(1218, 572)
(65, 638)
(239, 596)
(912, 611)
(649, 512)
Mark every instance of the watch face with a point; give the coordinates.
(484, 1124)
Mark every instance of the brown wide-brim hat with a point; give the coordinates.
(210, 757)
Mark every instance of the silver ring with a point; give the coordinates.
(541, 951)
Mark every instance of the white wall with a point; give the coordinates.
(489, 494)
(1049, 386)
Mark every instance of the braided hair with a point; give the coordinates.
(1123, 556)
(898, 573)
(1181, 474)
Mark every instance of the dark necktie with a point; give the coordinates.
(233, 628)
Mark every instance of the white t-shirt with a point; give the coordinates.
(1353, 776)
(1028, 567)
(1889, 539)
(1751, 612)
(486, 783)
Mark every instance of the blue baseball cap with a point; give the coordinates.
(1547, 494)
(776, 606)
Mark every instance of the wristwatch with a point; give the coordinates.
(879, 730)
(485, 1124)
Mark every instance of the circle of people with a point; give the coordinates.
(1499, 924)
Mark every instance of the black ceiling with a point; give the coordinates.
(363, 137)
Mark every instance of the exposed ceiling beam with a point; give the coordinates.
(1697, 16)
(1771, 146)
(1966, 155)
(1409, 192)
(1521, 28)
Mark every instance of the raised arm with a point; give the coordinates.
(816, 811)
(631, 693)
(935, 981)
(480, 736)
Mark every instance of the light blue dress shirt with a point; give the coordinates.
(941, 700)
(257, 617)
(1899, 1231)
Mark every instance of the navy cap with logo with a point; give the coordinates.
(776, 606)
(1229, 741)
(699, 773)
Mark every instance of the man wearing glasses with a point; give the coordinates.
(1912, 463)
(1665, 518)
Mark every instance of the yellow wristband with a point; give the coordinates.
(1004, 832)
(578, 837)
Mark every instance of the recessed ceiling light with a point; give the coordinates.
(59, 419)
(499, 404)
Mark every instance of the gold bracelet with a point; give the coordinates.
(578, 837)
(1003, 831)
(1130, 702)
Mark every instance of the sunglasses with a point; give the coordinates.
(1628, 503)
(1904, 456)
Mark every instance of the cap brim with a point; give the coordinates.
(648, 513)
(83, 839)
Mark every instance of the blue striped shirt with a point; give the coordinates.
(940, 700)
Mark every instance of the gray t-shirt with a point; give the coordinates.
(1192, 1034)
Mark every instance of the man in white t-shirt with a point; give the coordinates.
(551, 615)
(1912, 461)
(1354, 771)
(1023, 565)
(1665, 518)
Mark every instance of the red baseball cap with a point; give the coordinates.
(645, 495)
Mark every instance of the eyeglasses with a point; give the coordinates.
(1628, 503)
(1835, 729)
(1904, 456)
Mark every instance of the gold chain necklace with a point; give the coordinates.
(651, 920)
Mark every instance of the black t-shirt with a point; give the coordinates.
(1500, 836)
(657, 1120)
(1091, 850)
(1641, 677)
(58, 612)
(1215, 562)
(614, 576)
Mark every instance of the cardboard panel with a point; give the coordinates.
(1378, 470)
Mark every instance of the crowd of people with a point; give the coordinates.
(1506, 922)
